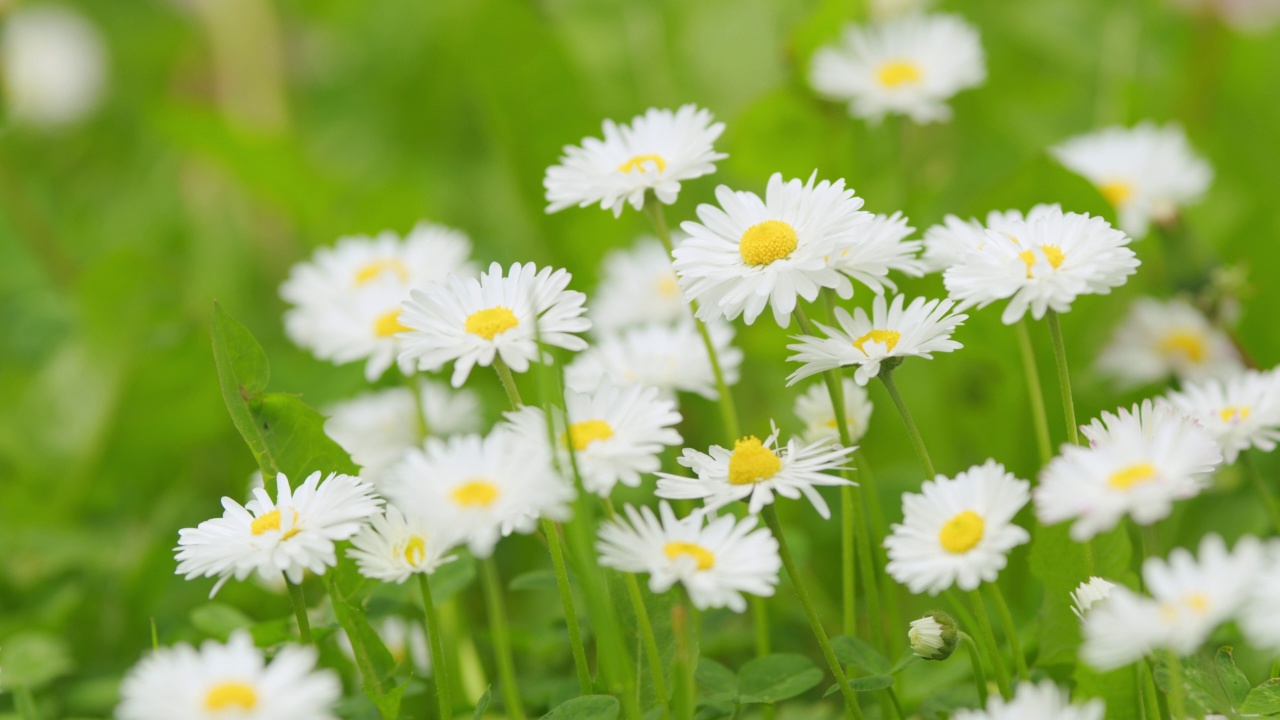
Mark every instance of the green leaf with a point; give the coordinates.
(855, 652)
(453, 577)
(1118, 688)
(1263, 700)
(218, 620)
(372, 657)
(32, 659)
(659, 608)
(776, 677)
(482, 705)
(1058, 562)
(715, 677)
(1200, 687)
(869, 683)
(533, 580)
(587, 707)
(1234, 684)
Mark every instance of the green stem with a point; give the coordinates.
(439, 664)
(989, 644)
(647, 636)
(492, 588)
(1177, 691)
(508, 383)
(760, 623)
(25, 703)
(886, 377)
(1264, 492)
(848, 588)
(770, 515)
(975, 660)
(299, 610)
(686, 695)
(1035, 394)
(1064, 377)
(1150, 697)
(570, 613)
(897, 705)
(1010, 631)
(419, 406)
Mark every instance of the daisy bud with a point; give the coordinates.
(1092, 591)
(934, 636)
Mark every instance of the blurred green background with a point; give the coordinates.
(237, 135)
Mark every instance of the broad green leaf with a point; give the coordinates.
(1263, 700)
(482, 705)
(372, 657)
(1200, 687)
(776, 677)
(243, 373)
(1058, 562)
(715, 677)
(32, 659)
(1234, 684)
(218, 620)
(855, 652)
(1118, 688)
(274, 632)
(587, 707)
(869, 683)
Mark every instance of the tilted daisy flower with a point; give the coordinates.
(233, 680)
(1140, 461)
(501, 315)
(1036, 701)
(655, 153)
(951, 242)
(672, 358)
(755, 471)
(880, 245)
(1159, 338)
(1240, 413)
(291, 534)
(815, 409)
(1089, 593)
(54, 65)
(910, 65)
(392, 547)
(637, 287)
(957, 532)
(1043, 263)
(406, 640)
(890, 332)
(750, 253)
(717, 560)
(1145, 172)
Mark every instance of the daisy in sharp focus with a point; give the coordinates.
(672, 358)
(1036, 701)
(815, 409)
(957, 532)
(1240, 413)
(910, 65)
(291, 534)
(637, 287)
(500, 315)
(890, 332)
(879, 246)
(1159, 338)
(392, 546)
(950, 243)
(655, 153)
(1146, 172)
(716, 559)
(755, 471)
(220, 681)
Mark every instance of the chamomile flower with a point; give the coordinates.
(1089, 593)
(815, 409)
(486, 487)
(392, 546)
(755, 471)
(1240, 413)
(1140, 462)
(637, 287)
(291, 534)
(950, 243)
(54, 65)
(880, 245)
(890, 332)
(219, 681)
(717, 560)
(910, 65)
(1043, 263)
(655, 153)
(957, 532)
(1159, 338)
(405, 640)
(1146, 172)
(750, 253)
(501, 315)
(1036, 701)
(672, 358)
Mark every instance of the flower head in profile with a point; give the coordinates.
(957, 532)
(500, 315)
(655, 153)
(291, 534)
(1036, 701)
(751, 253)
(220, 681)
(910, 65)
(1240, 413)
(755, 470)
(815, 409)
(716, 559)
(880, 245)
(1146, 172)
(637, 287)
(951, 242)
(393, 547)
(54, 65)
(1159, 338)
(672, 358)
(891, 332)
(934, 636)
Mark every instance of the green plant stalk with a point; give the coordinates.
(975, 660)
(1147, 691)
(439, 663)
(1064, 377)
(419, 405)
(1010, 631)
(770, 515)
(1035, 393)
(508, 383)
(989, 644)
(492, 588)
(687, 687)
(299, 610)
(848, 586)
(647, 637)
(1264, 493)
(876, 530)
(886, 377)
(1177, 692)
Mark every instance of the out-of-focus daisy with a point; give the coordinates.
(487, 487)
(1241, 412)
(393, 547)
(717, 561)
(891, 331)
(815, 409)
(1036, 701)
(1259, 620)
(376, 428)
(229, 681)
(755, 471)
(54, 65)
(1159, 338)
(1145, 172)
(950, 243)
(291, 534)
(669, 357)
(750, 253)
(1089, 593)
(957, 531)
(1043, 263)
(909, 65)
(880, 245)
(470, 322)
(884, 9)
(1139, 463)
(655, 153)
(637, 287)
(1244, 15)
(405, 640)
(934, 636)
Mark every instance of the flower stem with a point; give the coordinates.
(419, 406)
(1010, 631)
(975, 659)
(886, 377)
(299, 610)
(1035, 394)
(647, 636)
(770, 515)
(439, 664)
(492, 587)
(1150, 697)
(989, 643)
(687, 686)
(1264, 492)
(570, 613)
(1177, 691)
(1064, 377)
(508, 382)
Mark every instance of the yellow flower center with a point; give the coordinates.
(1052, 253)
(1198, 602)
(706, 559)
(1132, 475)
(667, 285)
(1116, 191)
(490, 322)
(1190, 345)
(263, 523)
(389, 324)
(765, 242)
(889, 338)
(375, 268)
(897, 73)
(415, 549)
(752, 462)
(638, 163)
(475, 493)
(1235, 414)
(582, 434)
(231, 695)
(962, 532)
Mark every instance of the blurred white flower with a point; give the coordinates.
(949, 243)
(815, 409)
(1159, 338)
(54, 65)
(1240, 413)
(672, 358)
(1245, 15)
(879, 246)
(1036, 701)
(637, 287)
(1090, 593)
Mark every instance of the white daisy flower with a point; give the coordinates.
(749, 252)
(881, 245)
(1146, 172)
(232, 680)
(1036, 701)
(957, 532)
(1259, 620)
(392, 547)
(755, 471)
(717, 560)
(1159, 338)
(672, 358)
(909, 65)
(406, 640)
(1089, 593)
(54, 65)
(815, 409)
(293, 533)
(1240, 413)
(486, 487)
(890, 332)
(1043, 263)
(470, 321)
(377, 428)
(951, 242)
(637, 287)
(655, 153)
(1140, 462)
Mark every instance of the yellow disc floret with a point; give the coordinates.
(475, 493)
(767, 241)
(639, 161)
(263, 523)
(389, 324)
(1132, 475)
(1052, 253)
(415, 549)
(752, 462)
(706, 559)
(582, 434)
(1235, 414)
(1116, 191)
(376, 268)
(962, 533)
(488, 323)
(1190, 345)
(227, 695)
(897, 73)
(890, 339)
